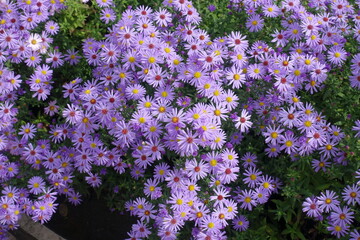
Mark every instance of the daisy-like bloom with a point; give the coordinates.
(142, 158)
(316, 138)
(209, 59)
(230, 100)
(27, 131)
(188, 143)
(311, 207)
(156, 77)
(135, 91)
(196, 170)
(338, 230)
(175, 179)
(220, 196)
(357, 176)
(107, 15)
(227, 174)
(246, 199)
(141, 230)
(74, 198)
(355, 80)
(310, 26)
(289, 143)
(329, 149)
(252, 176)
(240, 223)
(7, 110)
(72, 56)
(104, 3)
(273, 134)
(32, 59)
(51, 27)
(198, 211)
(36, 185)
(355, 63)
(55, 58)
(230, 157)
(172, 223)
(357, 128)
(137, 172)
(52, 108)
(273, 150)
(328, 201)
(255, 23)
(351, 194)
(256, 71)
(337, 55)
(243, 122)
(110, 53)
(237, 41)
(321, 164)
(266, 182)
(34, 41)
(249, 160)
(279, 38)
(210, 224)
(72, 114)
(236, 77)
(342, 216)
(354, 235)
(162, 17)
(261, 195)
(271, 10)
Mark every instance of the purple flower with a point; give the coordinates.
(351, 194)
(311, 207)
(211, 8)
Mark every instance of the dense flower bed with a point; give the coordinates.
(170, 104)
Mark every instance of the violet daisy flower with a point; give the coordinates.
(51, 27)
(227, 174)
(311, 207)
(196, 170)
(36, 185)
(338, 230)
(354, 235)
(321, 164)
(107, 15)
(172, 223)
(342, 216)
(336, 55)
(351, 194)
(252, 176)
(187, 143)
(243, 122)
(255, 23)
(72, 57)
(240, 223)
(357, 128)
(221, 194)
(27, 131)
(237, 41)
(210, 224)
(246, 199)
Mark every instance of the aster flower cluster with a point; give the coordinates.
(174, 106)
(338, 212)
(210, 210)
(319, 36)
(20, 44)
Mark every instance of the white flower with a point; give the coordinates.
(34, 41)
